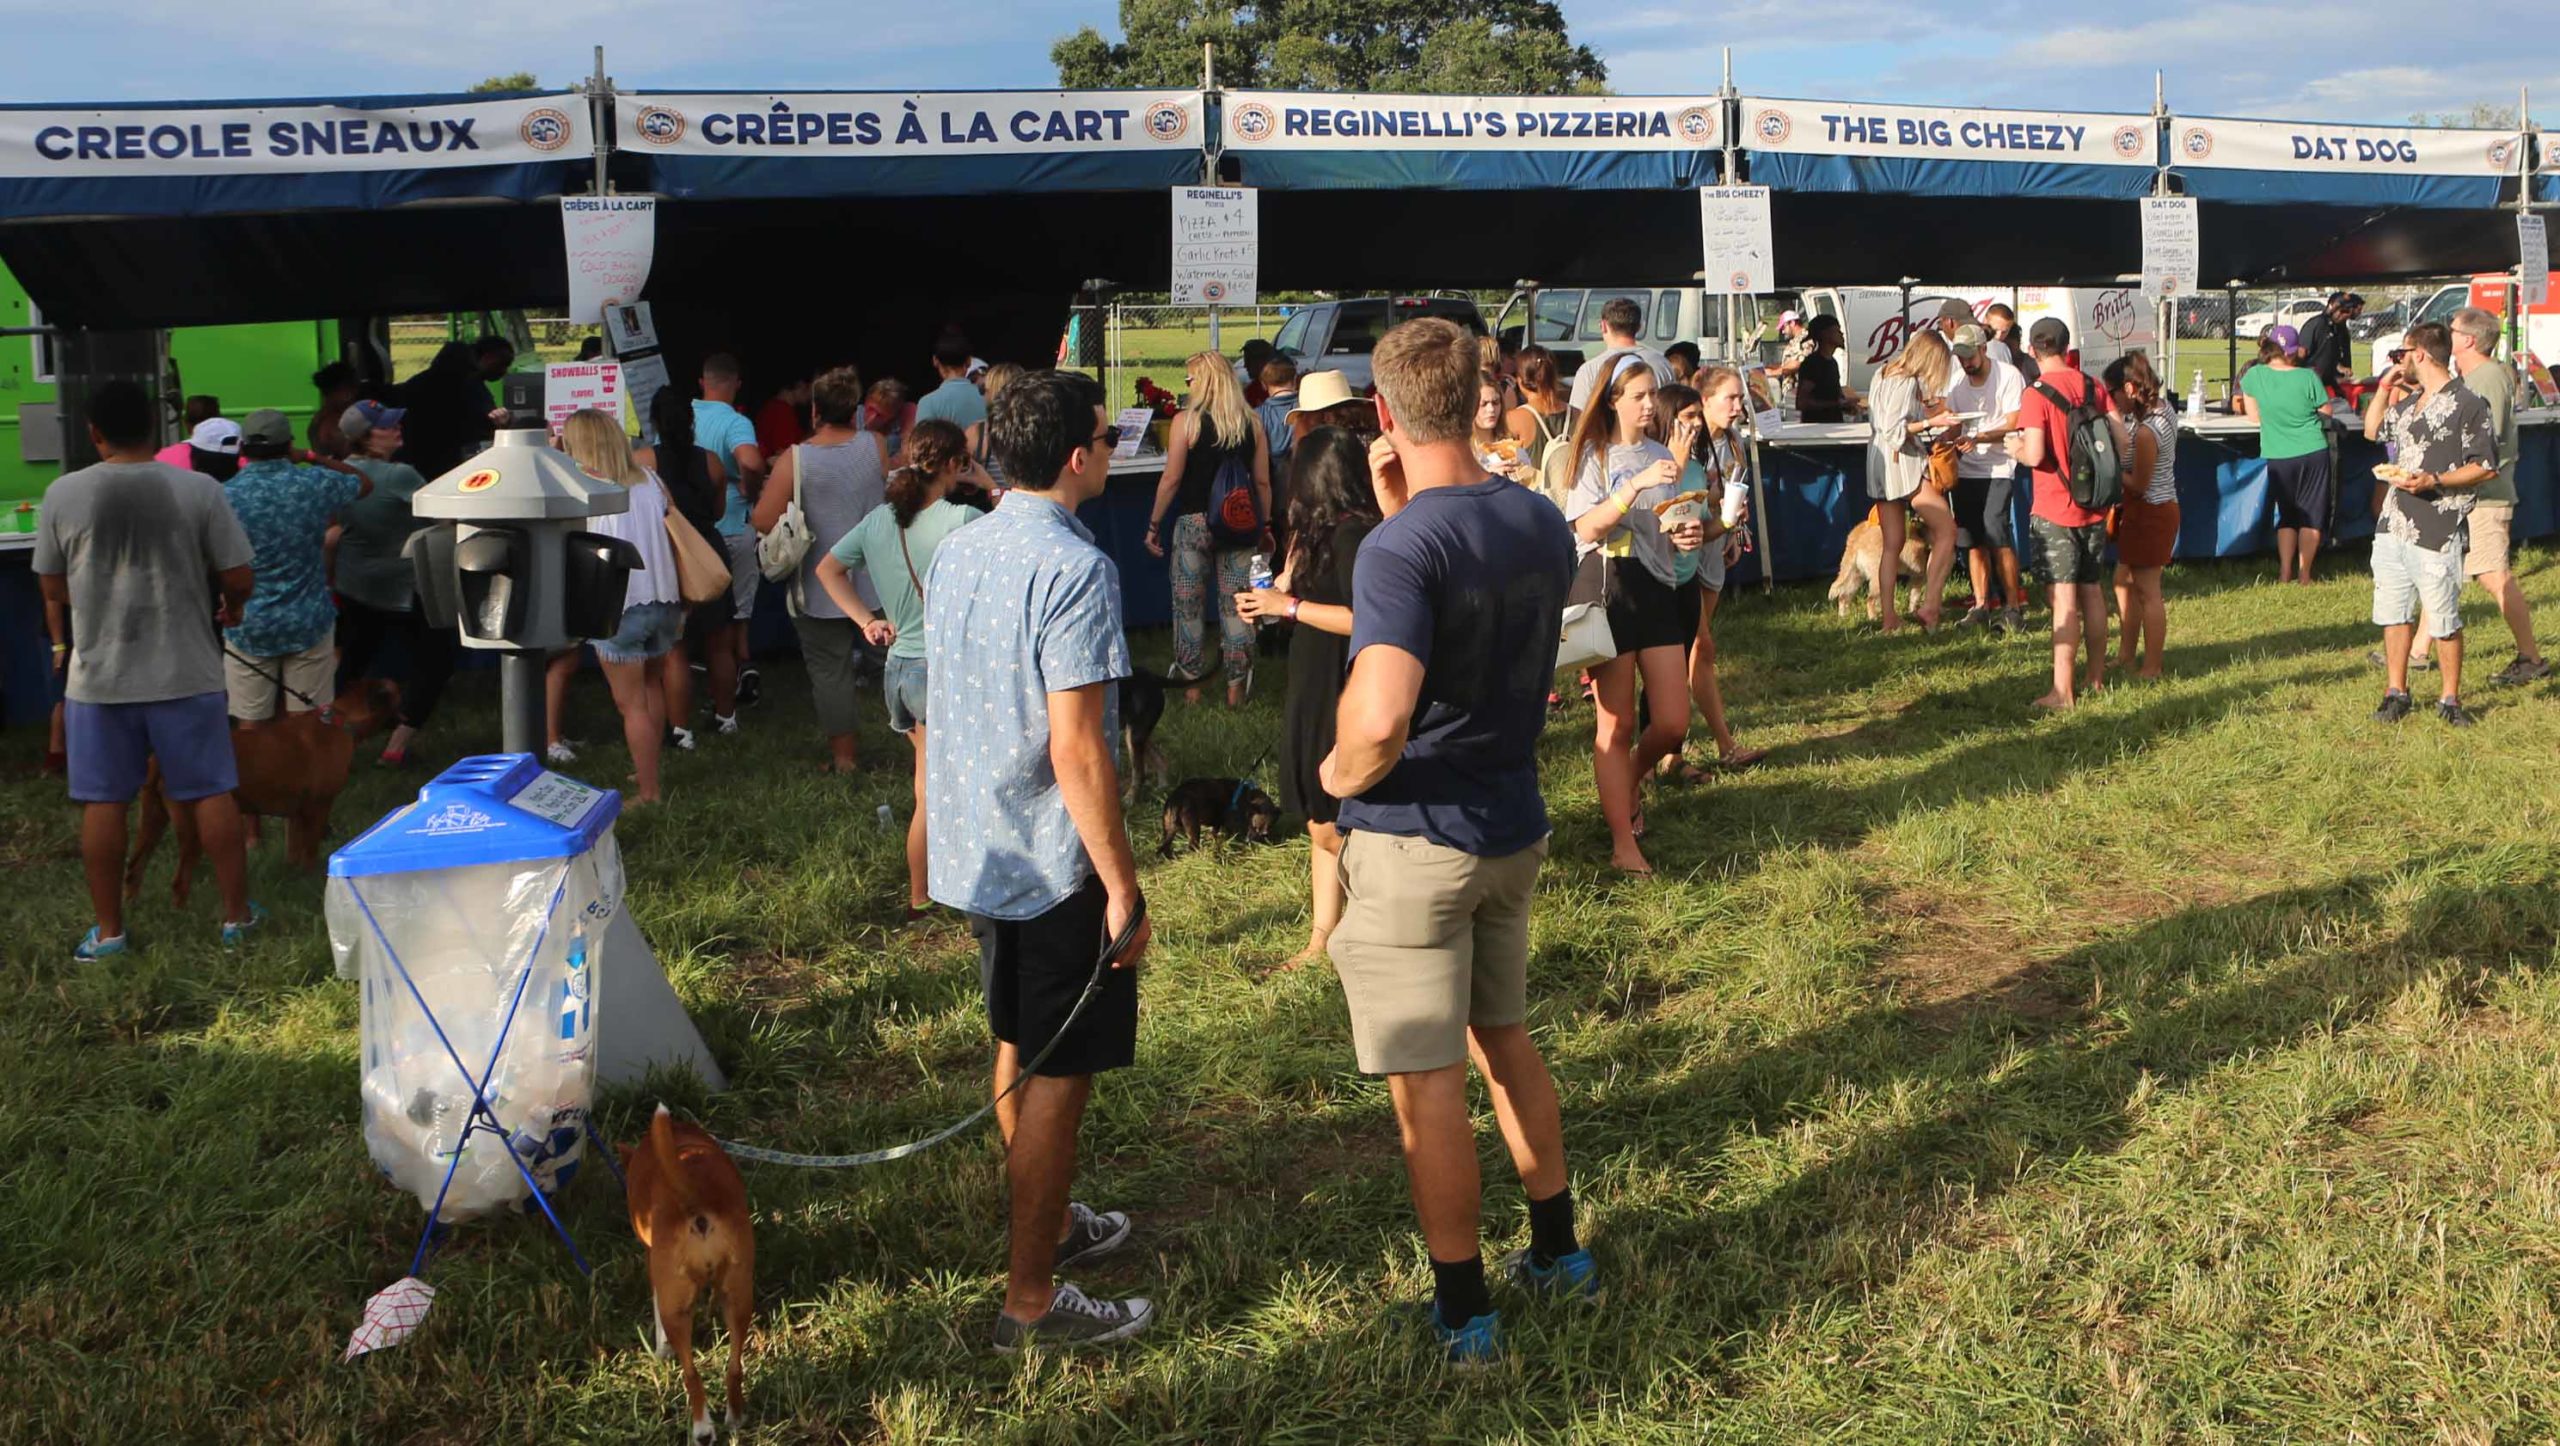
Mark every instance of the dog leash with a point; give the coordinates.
(277, 678)
(1092, 987)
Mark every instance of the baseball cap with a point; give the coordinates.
(1969, 339)
(267, 427)
(1788, 318)
(2285, 338)
(215, 434)
(2049, 335)
(368, 416)
(1954, 310)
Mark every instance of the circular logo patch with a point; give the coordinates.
(1213, 291)
(1740, 281)
(1165, 121)
(1772, 127)
(1253, 121)
(2502, 156)
(480, 481)
(546, 129)
(1696, 125)
(661, 125)
(2128, 141)
(2195, 143)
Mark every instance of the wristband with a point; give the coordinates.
(1293, 610)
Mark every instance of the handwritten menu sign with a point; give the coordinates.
(1217, 246)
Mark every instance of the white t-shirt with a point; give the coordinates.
(644, 526)
(1996, 396)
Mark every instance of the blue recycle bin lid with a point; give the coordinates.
(499, 808)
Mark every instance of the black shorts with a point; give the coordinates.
(1033, 971)
(2305, 490)
(1647, 612)
(1982, 512)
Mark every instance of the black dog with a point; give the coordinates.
(1142, 696)
(1232, 806)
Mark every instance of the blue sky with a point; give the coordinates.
(2346, 60)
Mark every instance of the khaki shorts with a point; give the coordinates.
(1432, 941)
(2491, 523)
(313, 672)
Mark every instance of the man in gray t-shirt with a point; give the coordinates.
(133, 557)
(2486, 557)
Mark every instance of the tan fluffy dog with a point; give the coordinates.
(1863, 559)
(690, 1209)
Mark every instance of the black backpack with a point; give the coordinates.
(2092, 468)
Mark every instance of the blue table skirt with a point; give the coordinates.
(1815, 495)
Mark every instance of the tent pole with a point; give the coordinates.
(2231, 346)
(1209, 161)
(1730, 102)
(2167, 325)
(2524, 206)
(599, 111)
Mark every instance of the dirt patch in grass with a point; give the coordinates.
(773, 980)
(1950, 964)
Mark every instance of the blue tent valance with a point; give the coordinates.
(2314, 163)
(1852, 147)
(1286, 141)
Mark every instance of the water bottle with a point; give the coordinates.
(1258, 577)
(888, 819)
(2195, 397)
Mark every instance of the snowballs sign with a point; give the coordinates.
(922, 124)
(288, 139)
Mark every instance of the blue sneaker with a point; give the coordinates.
(1572, 1277)
(1477, 1343)
(92, 949)
(233, 933)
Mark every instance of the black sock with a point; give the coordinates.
(1457, 1291)
(1551, 1236)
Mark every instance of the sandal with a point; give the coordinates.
(1741, 758)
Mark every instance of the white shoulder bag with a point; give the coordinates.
(779, 552)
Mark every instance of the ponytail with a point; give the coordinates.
(909, 486)
(934, 447)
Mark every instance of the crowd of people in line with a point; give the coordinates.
(1426, 544)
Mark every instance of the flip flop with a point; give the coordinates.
(1741, 758)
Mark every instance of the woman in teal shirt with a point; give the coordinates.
(2286, 398)
(895, 545)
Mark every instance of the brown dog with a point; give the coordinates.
(292, 768)
(689, 1207)
(1863, 559)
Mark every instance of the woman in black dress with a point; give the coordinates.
(1331, 508)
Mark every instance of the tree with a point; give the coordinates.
(1437, 47)
(521, 80)
(2484, 115)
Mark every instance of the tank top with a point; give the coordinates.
(839, 485)
(1209, 452)
(2162, 424)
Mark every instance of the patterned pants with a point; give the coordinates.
(1194, 562)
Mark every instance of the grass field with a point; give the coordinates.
(2179, 1069)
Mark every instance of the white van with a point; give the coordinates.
(1568, 322)
(2106, 322)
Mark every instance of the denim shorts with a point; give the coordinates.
(2409, 580)
(647, 631)
(903, 684)
(744, 578)
(111, 745)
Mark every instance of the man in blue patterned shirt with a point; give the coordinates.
(1023, 646)
(283, 655)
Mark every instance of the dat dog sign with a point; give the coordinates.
(953, 123)
(2230, 145)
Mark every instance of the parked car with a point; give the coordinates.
(2205, 315)
(2381, 320)
(1568, 321)
(2292, 311)
(1338, 336)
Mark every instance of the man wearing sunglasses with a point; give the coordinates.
(1023, 644)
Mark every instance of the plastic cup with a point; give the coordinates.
(1734, 497)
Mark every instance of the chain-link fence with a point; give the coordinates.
(416, 339)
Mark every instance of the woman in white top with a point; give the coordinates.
(652, 607)
(1906, 403)
(1620, 472)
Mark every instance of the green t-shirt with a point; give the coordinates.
(2289, 401)
(2494, 382)
(374, 529)
(872, 547)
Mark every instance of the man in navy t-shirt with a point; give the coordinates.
(1457, 602)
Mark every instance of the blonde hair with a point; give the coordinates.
(1216, 396)
(997, 378)
(596, 443)
(1925, 359)
(1426, 369)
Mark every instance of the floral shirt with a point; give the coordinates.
(1018, 606)
(2441, 433)
(286, 508)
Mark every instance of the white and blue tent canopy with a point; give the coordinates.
(193, 158)
(1296, 141)
(1855, 147)
(737, 145)
(2315, 163)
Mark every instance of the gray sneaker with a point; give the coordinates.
(1974, 618)
(2013, 621)
(1076, 1319)
(1091, 1234)
(2522, 670)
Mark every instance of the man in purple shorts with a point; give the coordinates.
(138, 553)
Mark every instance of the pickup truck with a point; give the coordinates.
(1337, 336)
